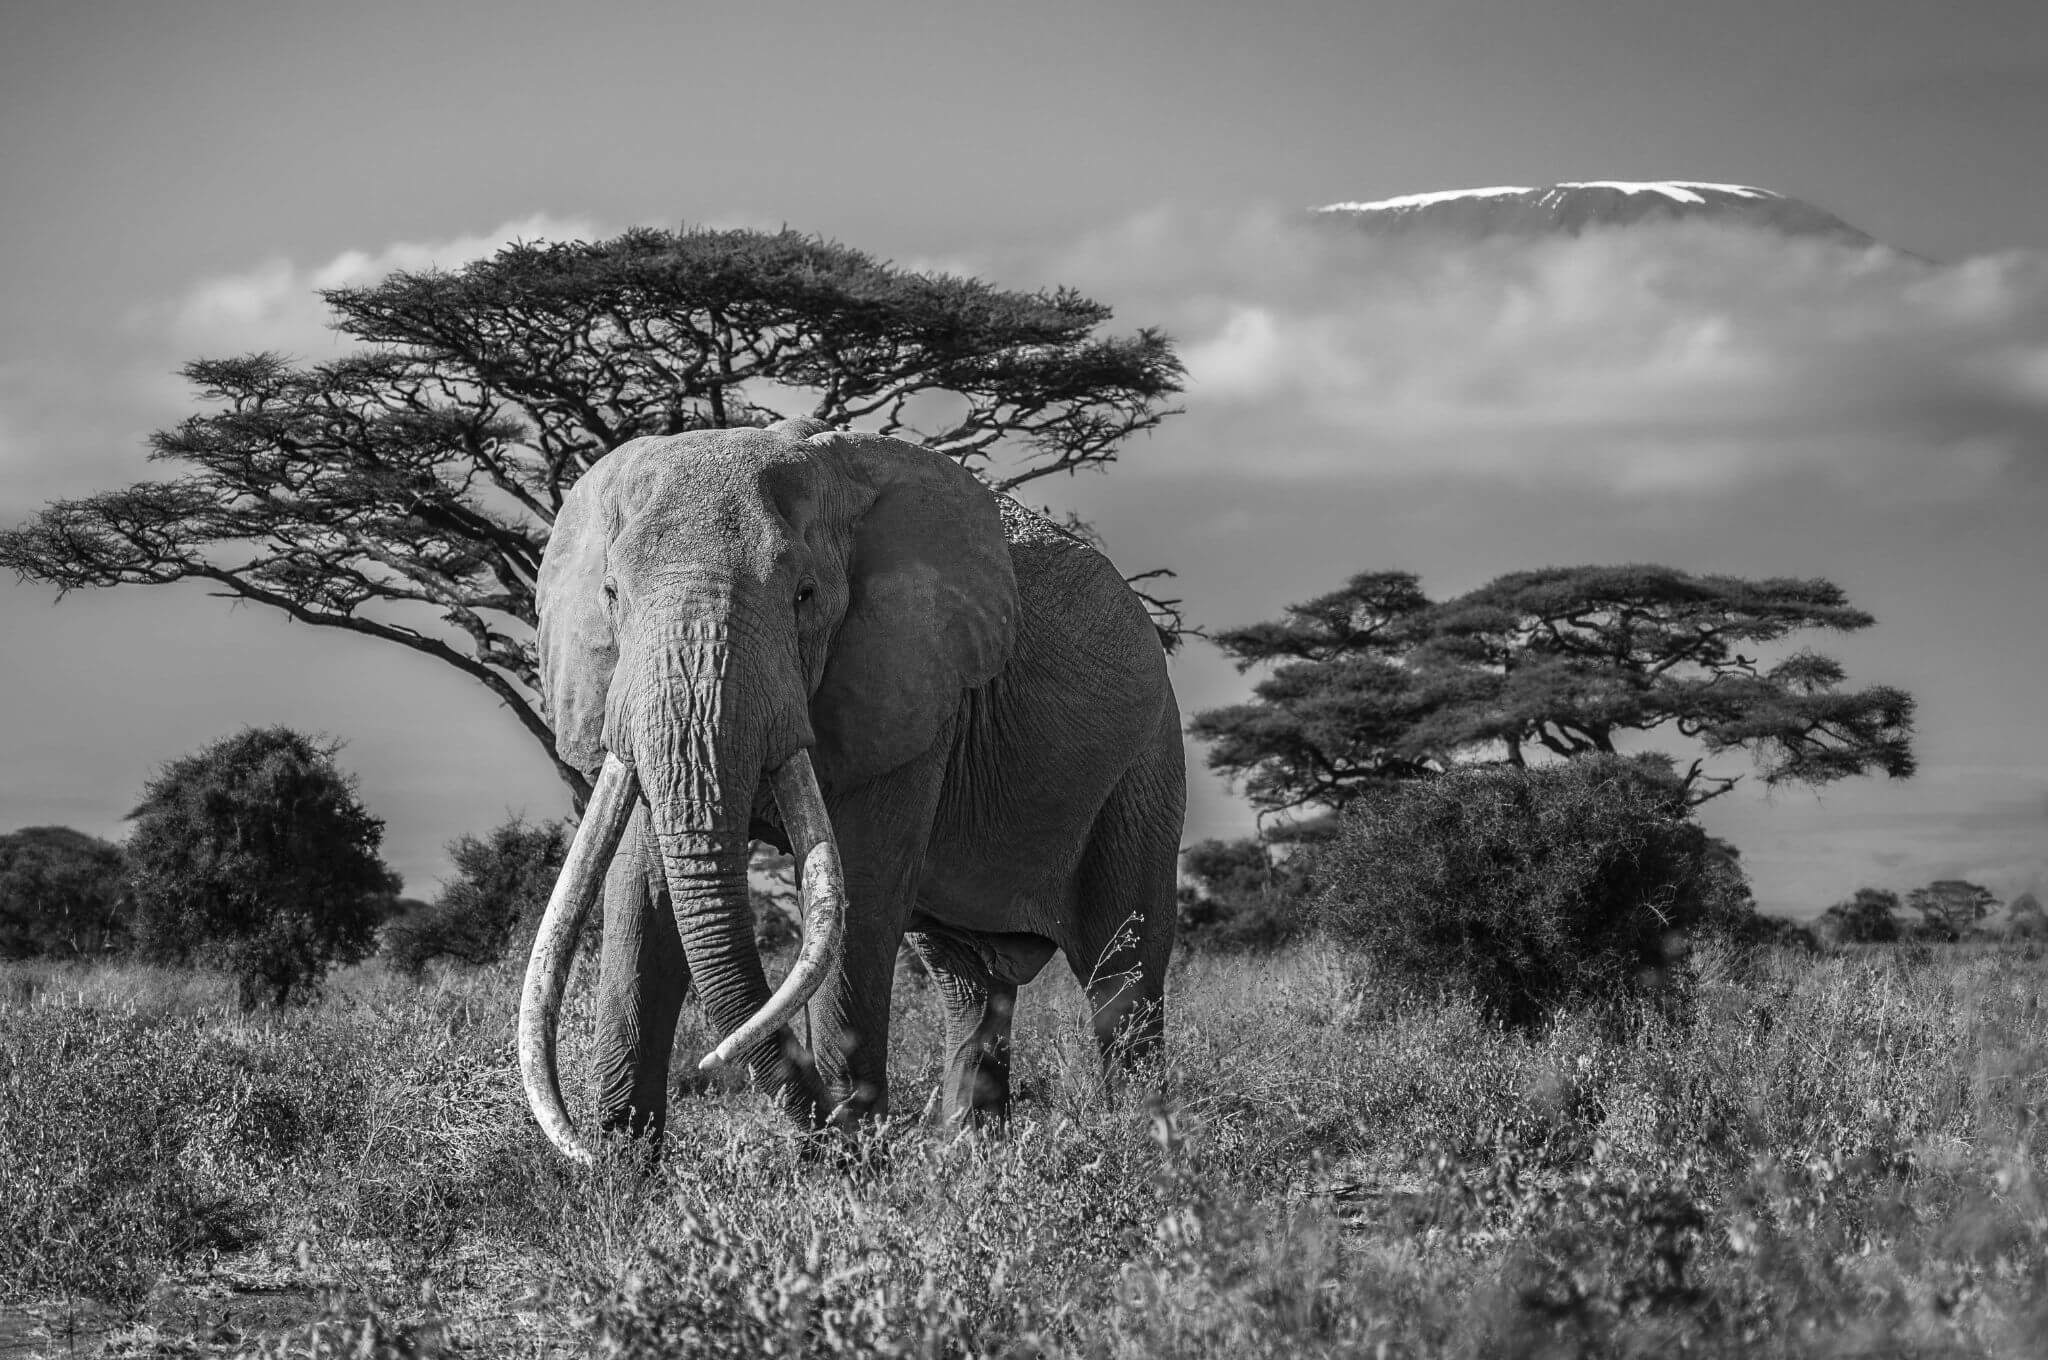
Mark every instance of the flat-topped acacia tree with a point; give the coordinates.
(406, 491)
(1374, 683)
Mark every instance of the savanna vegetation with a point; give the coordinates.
(1823, 1155)
(1508, 1082)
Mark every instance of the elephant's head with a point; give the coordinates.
(715, 608)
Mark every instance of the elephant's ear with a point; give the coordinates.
(574, 631)
(931, 606)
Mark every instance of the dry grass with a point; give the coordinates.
(1838, 1156)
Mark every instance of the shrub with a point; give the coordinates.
(62, 893)
(1240, 898)
(1531, 888)
(501, 886)
(2024, 919)
(1869, 917)
(256, 855)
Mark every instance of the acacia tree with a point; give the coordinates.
(1952, 907)
(406, 491)
(1374, 682)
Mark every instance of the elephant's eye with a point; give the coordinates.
(805, 590)
(611, 591)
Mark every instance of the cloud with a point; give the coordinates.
(1678, 357)
(276, 304)
(74, 422)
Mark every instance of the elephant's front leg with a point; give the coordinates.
(642, 978)
(882, 830)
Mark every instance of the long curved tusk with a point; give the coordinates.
(554, 948)
(824, 891)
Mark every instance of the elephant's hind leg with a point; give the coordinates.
(1124, 924)
(642, 979)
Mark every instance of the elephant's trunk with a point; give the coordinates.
(697, 763)
(824, 893)
(554, 949)
(714, 709)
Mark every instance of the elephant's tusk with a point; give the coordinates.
(554, 948)
(824, 890)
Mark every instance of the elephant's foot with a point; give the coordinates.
(867, 1102)
(793, 1080)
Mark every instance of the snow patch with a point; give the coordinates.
(1679, 190)
(1424, 200)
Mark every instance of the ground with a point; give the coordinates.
(1835, 1155)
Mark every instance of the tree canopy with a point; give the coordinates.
(257, 855)
(405, 491)
(62, 893)
(1375, 682)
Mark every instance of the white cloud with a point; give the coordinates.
(75, 422)
(276, 304)
(1675, 357)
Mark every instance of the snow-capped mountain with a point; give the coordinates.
(1571, 208)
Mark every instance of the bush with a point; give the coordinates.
(256, 855)
(1869, 917)
(1240, 898)
(1531, 888)
(62, 893)
(501, 887)
(2024, 919)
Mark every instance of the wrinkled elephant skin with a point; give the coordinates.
(955, 714)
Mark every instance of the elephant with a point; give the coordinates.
(953, 713)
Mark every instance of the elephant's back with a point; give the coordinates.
(1069, 584)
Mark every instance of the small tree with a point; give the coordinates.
(62, 893)
(1532, 888)
(501, 885)
(1951, 908)
(256, 855)
(1870, 916)
(1374, 682)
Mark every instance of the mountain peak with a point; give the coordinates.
(1574, 206)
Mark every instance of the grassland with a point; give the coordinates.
(1834, 1156)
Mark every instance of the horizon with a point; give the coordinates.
(1704, 400)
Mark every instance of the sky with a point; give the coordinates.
(180, 178)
